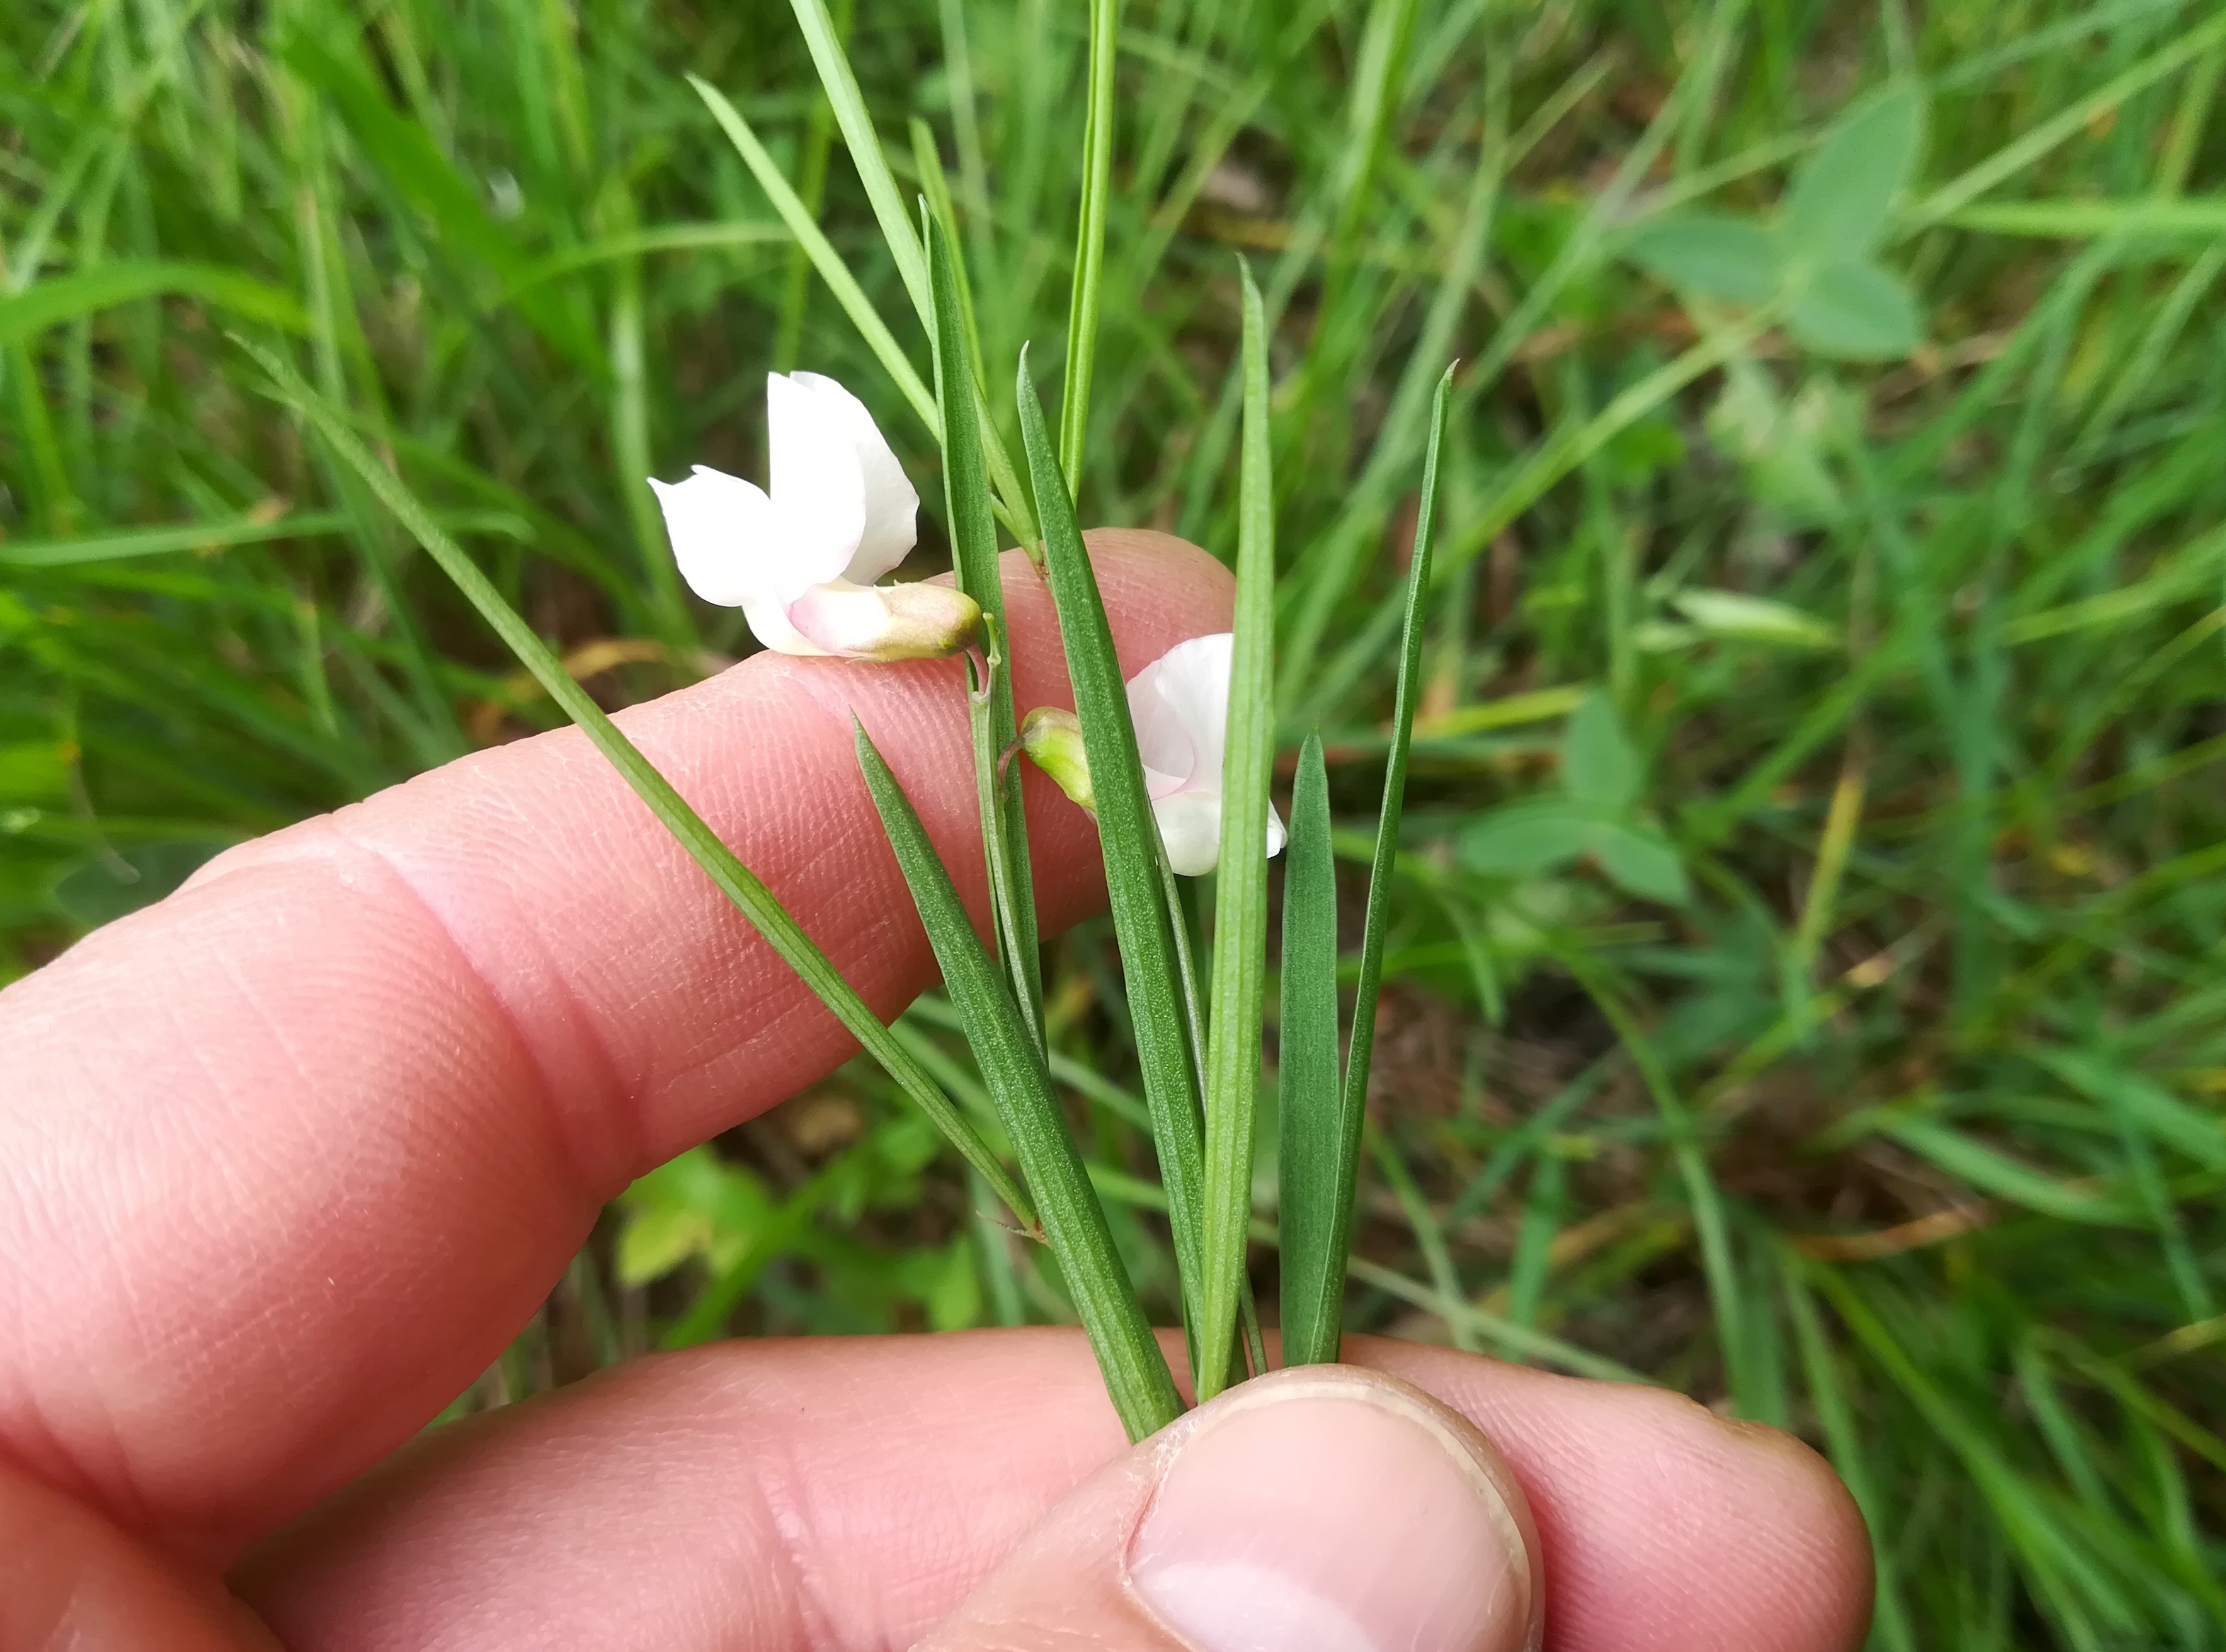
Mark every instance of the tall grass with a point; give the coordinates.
(1857, 1065)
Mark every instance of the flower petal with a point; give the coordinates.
(721, 529)
(1190, 825)
(1180, 704)
(892, 505)
(819, 487)
(886, 622)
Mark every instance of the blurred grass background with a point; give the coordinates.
(1881, 1096)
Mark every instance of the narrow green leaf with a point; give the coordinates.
(65, 298)
(1129, 838)
(734, 881)
(824, 259)
(973, 556)
(1088, 239)
(1857, 311)
(1843, 197)
(1709, 256)
(1599, 770)
(1012, 1066)
(865, 146)
(1328, 1277)
(1240, 909)
(1314, 1193)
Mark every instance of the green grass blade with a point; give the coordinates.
(1088, 240)
(974, 555)
(733, 879)
(1316, 1197)
(1129, 839)
(1012, 1066)
(824, 259)
(1012, 499)
(1338, 1162)
(1240, 927)
(865, 146)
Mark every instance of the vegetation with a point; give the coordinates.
(1802, 981)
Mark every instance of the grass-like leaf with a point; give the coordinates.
(733, 879)
(824, 259)
(974, 555)
(1088, 239)
(1240, 928)
(1130, 841)
(1314, 1285)
(1316, 1196)
(865, 145)
(1012, 1066)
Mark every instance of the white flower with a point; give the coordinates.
(801, 562)
(1180, 704)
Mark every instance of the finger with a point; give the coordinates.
(780, 1496)
(70, 1580)
(1321, 1509)
(289, 1156)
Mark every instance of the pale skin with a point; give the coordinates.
(287, 1159)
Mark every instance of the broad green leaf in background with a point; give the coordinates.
(1641, 860)
(1736, 616)
(1857, 311)
(1843, 199)
(1520, 840)
(1599, 769)
(1710, 256)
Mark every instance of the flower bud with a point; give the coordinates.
(886, 622)
(1053, 739)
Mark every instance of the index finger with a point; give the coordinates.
(292, 1155)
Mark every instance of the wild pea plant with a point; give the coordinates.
(1174, 765)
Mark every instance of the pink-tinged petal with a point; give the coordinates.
(721, 529)
(892, 504)
(818, 489)
(886, 622)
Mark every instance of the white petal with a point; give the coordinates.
(889, 521)
(721, 530)
(1276, 836)
(892, 506)
(1180, 704)
(818, 489)
(1190, 825)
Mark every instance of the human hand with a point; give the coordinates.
(288, 1157)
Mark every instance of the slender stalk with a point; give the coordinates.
(973, 556)
(1088, 240)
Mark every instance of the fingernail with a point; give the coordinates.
(1332, 1514)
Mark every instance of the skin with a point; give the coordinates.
(288, 1157)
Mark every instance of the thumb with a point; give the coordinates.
(1319, 1509)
